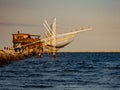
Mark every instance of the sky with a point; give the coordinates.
(27, 16)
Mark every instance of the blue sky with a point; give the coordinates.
(27, 16)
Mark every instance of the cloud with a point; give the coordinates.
(18, 24)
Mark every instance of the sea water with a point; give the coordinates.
(68, 71)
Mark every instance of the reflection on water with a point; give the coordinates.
(69, 71)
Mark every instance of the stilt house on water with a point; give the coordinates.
(22, 41)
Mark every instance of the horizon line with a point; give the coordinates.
(90, 51)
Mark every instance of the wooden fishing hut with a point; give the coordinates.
(27, 42)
